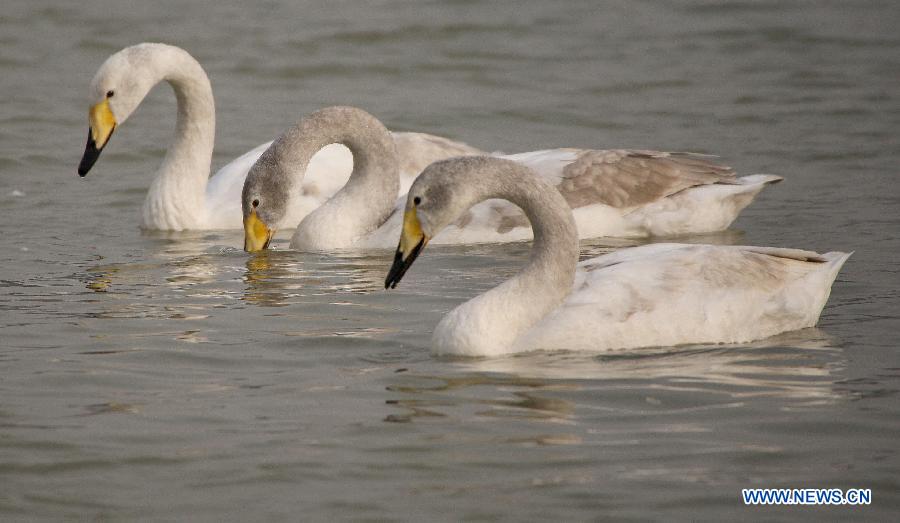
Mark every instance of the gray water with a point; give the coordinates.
(172, 376)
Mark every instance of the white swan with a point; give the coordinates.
(183, 196)
(613, 193)
(654, 295)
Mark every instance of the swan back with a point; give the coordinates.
(673, 294)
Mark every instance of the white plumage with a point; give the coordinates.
(673, 294)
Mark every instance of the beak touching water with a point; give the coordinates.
(412, 241)
(102, 125)
(257, 234)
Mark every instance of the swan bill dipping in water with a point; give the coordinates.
(183, 196)
(653, 295)
(621, 193)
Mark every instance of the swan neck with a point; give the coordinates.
(177, 198)
(492, 322)
(369, 195)
(195, 126)
(547, 278)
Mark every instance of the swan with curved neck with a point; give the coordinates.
(183, 196)
(658, 294)
(362, 205)
(176, 197)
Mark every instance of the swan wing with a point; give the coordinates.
(625, 179)
(671, 294)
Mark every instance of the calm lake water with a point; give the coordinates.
(174, 377)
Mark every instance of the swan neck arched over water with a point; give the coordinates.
(501, 315)
(358, 208)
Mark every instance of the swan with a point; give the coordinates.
(654, 295)
(183, 196)
(625, 193)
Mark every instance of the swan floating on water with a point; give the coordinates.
(624, 193)
(183, 196)
(653, 295)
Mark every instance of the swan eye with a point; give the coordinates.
(255, 204)
(110, 94)
(417, 200)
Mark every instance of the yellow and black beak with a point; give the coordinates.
(412, 241)
(257, 234)
(102, 125)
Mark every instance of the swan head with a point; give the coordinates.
(263, 202)
(438, 197)
(117, 89)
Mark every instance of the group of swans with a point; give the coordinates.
(342, 180)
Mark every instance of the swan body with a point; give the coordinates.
(182, 196)
(654, 295)
(624, 193)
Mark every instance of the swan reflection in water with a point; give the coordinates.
(278, 278)
(180, 276)
(797, 368)
(181, 259)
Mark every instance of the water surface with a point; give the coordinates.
(171, 376)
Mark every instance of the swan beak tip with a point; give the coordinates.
(402, 263)
(102, 125)
(412, 241)
(257, 235)
(91, 153)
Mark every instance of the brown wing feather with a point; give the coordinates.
(629, 178)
